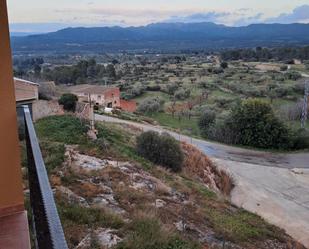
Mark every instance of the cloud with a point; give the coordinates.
(249, 20)
(298, 15)
(199, 17)
(240, 17)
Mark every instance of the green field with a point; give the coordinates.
(184, 125)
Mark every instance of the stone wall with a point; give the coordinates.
(44, 108)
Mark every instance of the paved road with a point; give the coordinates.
(220, 151)
(265, 183)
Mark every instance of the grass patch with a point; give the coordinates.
(149, 233)
(53, 154)
(241, 226)
(202, 190)
(64, 129)
(92, 217)
(121, 141)
(185, 125)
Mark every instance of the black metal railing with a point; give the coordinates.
(48, 230)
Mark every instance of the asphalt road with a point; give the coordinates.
(221, 151)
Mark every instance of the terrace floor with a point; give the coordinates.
(14, 231)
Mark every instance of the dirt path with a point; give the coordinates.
(266, 183)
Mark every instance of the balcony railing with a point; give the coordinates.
(48, 232)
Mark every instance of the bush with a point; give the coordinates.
(160, 149)
(154, 88)
(301, 139)
(255, 124)
(293, 75)
(206, 120)
(68, 100)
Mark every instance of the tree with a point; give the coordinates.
(68, 100)
(171, 88)
(206, 120)
(255, 124)
(150, 105)
(182, 94)
(160, 149)
(110, 70)
(224, 64)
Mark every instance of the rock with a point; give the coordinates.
(180, 226)
(92, 135)
(108, 201)
(160, 203)
(71, 196)
(298, 171)
(107, 237)
(85, 243)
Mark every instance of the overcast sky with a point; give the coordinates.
(57, 13)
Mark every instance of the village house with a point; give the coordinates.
(98, 95)
(103, 96)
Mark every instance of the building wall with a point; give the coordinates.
(44, 108)
(112, 95)
(129, 106)
(11, 191)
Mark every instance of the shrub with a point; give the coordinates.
(171, 88)
(154, 88)
(293, 75)
(221, 131)
(206, 120)
(160, 149)
(68, 100)
(301, 139)
(255, 124)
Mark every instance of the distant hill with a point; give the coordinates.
(163, 37)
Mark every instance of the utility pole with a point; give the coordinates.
(304, 115)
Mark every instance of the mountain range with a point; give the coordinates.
(163, 37)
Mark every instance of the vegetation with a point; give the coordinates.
(251, 123)
(150, 105)
(68, 100)
(206, 121)
(62, 129)
(149, 227)
(93, 217)
(147, 232)
(286, 54)
(255, 124)
(160, 149)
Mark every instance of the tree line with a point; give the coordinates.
(285, 54)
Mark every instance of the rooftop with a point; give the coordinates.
(90, 89)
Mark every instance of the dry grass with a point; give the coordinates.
(198, 165)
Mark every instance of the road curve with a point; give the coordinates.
(230, 153)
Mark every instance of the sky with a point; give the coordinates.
(50, 15)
